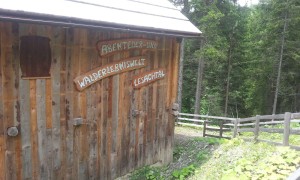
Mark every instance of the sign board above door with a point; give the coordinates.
(106, 48)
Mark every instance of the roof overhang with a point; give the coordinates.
(67, 13)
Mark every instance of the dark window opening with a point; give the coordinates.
(35, 57)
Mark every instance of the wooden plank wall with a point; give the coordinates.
(123, 128)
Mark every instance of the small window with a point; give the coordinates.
(35, 57)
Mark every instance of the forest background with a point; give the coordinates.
(247, 61)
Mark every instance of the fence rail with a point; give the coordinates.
(255, 124)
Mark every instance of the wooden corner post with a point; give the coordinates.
(256, 128)
(286, 132)
(235, 129)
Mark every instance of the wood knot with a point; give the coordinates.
(12, 131)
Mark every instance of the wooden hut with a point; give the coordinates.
(87, 87)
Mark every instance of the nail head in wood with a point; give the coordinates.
(77, 121)
(12, 131)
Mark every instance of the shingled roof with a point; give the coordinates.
(149, 16)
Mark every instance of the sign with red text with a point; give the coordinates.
(148, 77)
(106, 48)
(91, 77)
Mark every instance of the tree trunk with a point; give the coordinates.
(280, 64)
(228, 78)
(180, 74)
(199, 83)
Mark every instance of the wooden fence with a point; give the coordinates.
(255, 124)
(208, 123)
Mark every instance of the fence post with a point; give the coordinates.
(221, 128)
(286, 132)
(204, 128)
(235, 129)
(256, 129)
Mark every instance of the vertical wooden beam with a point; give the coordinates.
(16, 79)
(115, 117)
(104, 125)
(55, 91)
(139, 136)
(62, 172)
(150, 119)
(48, 102)
(148, 112)
(176, 63)
(2, 131)
(45, 114)
(33, 129)
(256, 128)
(121, 126)
(76, 102)
(286, 132)
(146, 125)
(49, 143)
(69, 104)
(41, 125)
(8, 78)
(161, 101)
(173, 60)
(98, 98)
(109, 126)
(92, 110)
(84, 66)
(154, 107)
(133, 125)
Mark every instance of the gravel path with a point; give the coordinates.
(183, 134)
(186, 148)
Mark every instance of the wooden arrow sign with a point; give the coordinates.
(91, 77)
(148, 77)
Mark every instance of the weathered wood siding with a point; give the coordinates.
(123, 128)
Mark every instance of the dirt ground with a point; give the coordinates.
(185, 147)
(183, 134)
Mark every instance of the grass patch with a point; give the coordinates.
(148, 173)
(237, 159)
(275, 137)
(213, 159)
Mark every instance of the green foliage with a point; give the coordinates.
(210, 141)
(228, 160)
(265, 27)
(178, 150)
(184, 172)
(236, 159)
(245, 41)
(275, 137)
(279, 164)
(223, 25)
(147, 173)
(203, 155)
